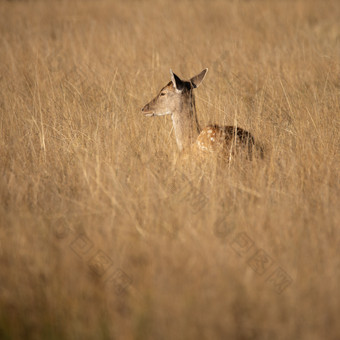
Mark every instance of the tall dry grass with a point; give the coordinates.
(104, 235)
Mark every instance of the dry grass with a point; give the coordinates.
(82, 171)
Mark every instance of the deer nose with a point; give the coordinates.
(145, 108)
(146, 111)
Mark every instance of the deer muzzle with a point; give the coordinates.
(146, 111)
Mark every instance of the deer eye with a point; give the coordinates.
(163, 93)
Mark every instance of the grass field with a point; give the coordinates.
(105, 235)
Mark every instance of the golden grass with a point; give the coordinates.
(188, 252)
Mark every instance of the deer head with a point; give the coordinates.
(173, 96)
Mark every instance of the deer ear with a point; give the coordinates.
(197, 80)
(177, 82)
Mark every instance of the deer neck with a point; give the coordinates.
(185, 123)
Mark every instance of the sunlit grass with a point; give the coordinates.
(105, 233)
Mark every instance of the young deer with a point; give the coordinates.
(177, 99)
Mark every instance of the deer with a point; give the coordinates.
(177, 99)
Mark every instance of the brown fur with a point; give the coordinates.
(177, 98)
